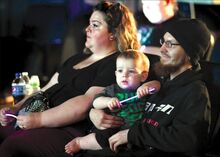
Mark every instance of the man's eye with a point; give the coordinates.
(168, 43)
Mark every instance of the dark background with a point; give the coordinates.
(38, 35)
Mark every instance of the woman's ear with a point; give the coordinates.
(111, 36)
(144, 76)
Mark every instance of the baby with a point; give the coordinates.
(125, 99)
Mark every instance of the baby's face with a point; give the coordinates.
(128, 73)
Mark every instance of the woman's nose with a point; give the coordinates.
(87, 28)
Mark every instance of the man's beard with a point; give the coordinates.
(165, 70)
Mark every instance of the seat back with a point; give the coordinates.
(45, 25)
(211, 73)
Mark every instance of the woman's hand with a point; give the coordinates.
(4, 120)
(118, 139)
(101, 120)
(29, 121)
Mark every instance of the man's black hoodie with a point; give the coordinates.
(176, 118)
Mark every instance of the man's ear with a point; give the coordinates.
(144, 76)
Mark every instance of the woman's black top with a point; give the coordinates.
(75, 82)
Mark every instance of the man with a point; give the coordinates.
(153, 19)
(177, 117)
(160, 14)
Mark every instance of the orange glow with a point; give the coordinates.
(216, 2)
(9, 100)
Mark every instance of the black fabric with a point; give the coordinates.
(102, 136)
(188, 33)
(211, 75)
(123, 152)
(177, 117)
(74, 82)
(37, 142)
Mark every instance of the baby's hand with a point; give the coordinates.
(142, 91)
(114, 103)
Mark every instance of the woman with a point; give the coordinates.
(71, 90)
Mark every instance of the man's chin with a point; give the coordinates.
(165, 70)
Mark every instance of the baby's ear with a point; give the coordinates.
(144, 76)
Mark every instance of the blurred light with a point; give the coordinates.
(57, 41)
(201, 1)
(9, 100)
(143, 35)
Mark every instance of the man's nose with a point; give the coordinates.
(163, 49)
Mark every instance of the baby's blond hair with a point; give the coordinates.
(138, 56)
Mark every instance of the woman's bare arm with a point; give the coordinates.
(71, 111)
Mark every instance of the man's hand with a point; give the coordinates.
(118, 139)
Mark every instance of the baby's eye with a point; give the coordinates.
(132, 71)
(119, 70)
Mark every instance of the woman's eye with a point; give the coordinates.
(94, 25)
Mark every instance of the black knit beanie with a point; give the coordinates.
(193, 35)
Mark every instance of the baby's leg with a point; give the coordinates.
(87, 142)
